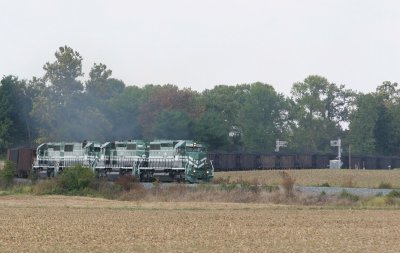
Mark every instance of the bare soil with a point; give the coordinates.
(79, 224)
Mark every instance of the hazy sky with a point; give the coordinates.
(202, 43)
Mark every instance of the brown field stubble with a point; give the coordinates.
(343, 177)
(77, 224)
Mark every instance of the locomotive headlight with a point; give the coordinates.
(208, 171)
(194, 171)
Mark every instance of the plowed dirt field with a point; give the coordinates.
(77, 224)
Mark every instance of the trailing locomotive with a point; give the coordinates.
(166, 160)
(54, 157)
(120, 157)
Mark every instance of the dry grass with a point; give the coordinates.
(76, 224)
(345, 178)
(239, 194)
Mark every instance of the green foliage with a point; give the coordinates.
(63, 111)
(270, 188)
(225, 100)
(346, 195)
(375, 125)
(245, 117)
(228, 186)
(318, 107)
(7, 173)
(124, 112)
(76, 178)
(391, 199)
(172, 125)
(247, 186)
(377, 201)
(98, 85)
(63, 73)
(394, 194)
(210, 128)
(262, 117)
(15, 105)
(384, 185)
(169, 101)
(362, 124)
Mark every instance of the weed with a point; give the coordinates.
(156, 184)
(392, 201)
(384, 185)
(22, 189)
(394, 194)
(76, 178)
(126, 182)
(7, 174)
(221, 180)
(287, 182)
(379, 201)
(322, 197)
(346, 195)
(228, 186)
(325, 185)
(50, 186)
(246, 186)
(106, 189)
(270, 188)
(349, 183)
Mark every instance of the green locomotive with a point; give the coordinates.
(170, 160)
(120, 157)
(163, 160)
(54, 157)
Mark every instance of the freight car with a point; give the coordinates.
(22, 157)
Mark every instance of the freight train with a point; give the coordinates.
(165, 160)
(146, 160)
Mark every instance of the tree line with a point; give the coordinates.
(59, 106)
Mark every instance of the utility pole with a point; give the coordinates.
(349, 156)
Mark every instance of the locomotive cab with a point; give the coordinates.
(198, 167)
